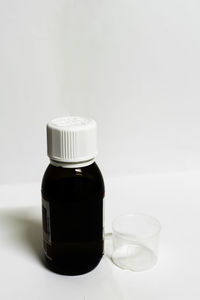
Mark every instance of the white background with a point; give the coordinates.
(134, 66)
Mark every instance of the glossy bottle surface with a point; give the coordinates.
(72, 208)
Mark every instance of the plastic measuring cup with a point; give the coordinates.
(135, 240)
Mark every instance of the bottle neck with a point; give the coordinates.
(71, 164)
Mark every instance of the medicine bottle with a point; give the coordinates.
(72, 197)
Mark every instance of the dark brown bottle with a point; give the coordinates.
(72, 198)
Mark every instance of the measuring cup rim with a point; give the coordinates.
(121, 234)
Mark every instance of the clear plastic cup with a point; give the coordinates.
(135, 240)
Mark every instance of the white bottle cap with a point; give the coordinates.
(71, 139)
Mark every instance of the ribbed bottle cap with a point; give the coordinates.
(71, 139)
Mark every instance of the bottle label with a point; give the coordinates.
(46, 227)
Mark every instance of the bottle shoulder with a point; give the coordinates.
(54, 172)
(59, 178)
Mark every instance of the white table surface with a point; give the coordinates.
(173, 198)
